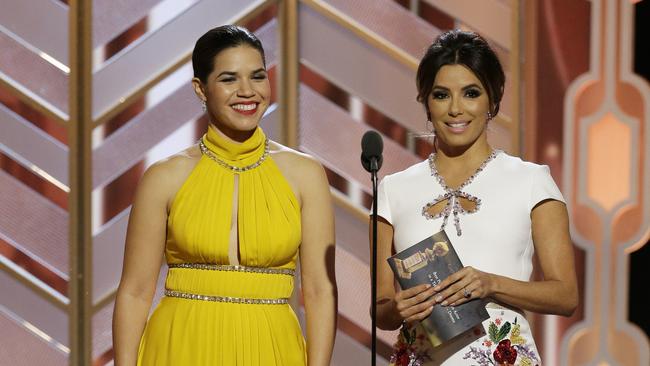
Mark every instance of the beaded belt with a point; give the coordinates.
(229, 268)
(235, 268)
(234, 300)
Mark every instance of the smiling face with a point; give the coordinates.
(237, 91)
(458, 106)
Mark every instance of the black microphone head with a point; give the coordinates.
(371, 149)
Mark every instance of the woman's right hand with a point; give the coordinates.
(415, 303)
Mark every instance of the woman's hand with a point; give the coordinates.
(460, 287)
(415, 303)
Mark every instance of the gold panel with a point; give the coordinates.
(609, 163)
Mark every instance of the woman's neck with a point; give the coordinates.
(459, 161)
(233, 136)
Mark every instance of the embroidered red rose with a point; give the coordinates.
(505, 353)
(403, 359)
(401, 356)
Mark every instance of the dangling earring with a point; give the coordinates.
(489, 116)
(432, 134)
(204, 107)
(429, 127)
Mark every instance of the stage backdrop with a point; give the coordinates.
(94, 92)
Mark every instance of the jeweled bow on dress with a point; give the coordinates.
(453, 196)
(453, 206)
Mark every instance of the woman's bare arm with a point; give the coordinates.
(556, 293)
(317, 253)
(143, 255)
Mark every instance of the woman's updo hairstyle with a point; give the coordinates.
(456, 47)
(216, 40)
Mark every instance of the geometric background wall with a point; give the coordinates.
(94, 92)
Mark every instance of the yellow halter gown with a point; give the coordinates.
(213, 313)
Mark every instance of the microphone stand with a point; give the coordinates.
(373, 289)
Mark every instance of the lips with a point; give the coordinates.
(245, 108)
(458, 126)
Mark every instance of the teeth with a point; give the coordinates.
(245, 107)
(457, 124)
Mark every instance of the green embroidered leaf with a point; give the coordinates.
(408, 335)
(493, 331)
(503, 332)
(412, 337)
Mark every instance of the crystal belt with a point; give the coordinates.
(237, 268)
(234, 300)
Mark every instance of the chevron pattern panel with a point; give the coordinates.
(355, 65)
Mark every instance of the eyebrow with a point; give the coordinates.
(232, 73)
(464, 88)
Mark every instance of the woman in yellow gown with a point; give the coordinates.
(231, 214)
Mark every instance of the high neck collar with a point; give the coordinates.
(234, 153)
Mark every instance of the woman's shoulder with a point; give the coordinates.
(176, 164)
(167, 175)
(515, 164)
(303, 171)
(417, 170)
(293, 160)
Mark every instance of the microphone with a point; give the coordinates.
(371, 159)
(371, 148)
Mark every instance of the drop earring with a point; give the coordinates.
(489, 116)
(429, 127)
(204, 107)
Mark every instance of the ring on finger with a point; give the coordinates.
(467, 293)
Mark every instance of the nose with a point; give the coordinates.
(455, 107)
(245, 89)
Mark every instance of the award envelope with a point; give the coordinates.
(431, 261)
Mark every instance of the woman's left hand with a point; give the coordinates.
(465, 285)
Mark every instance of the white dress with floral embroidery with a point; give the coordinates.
(496, 239)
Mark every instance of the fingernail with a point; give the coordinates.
(438, 298)
(437, 288)
(428, 286)
(444, 303)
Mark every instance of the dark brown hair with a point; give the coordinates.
(456, 47)
(216, 40)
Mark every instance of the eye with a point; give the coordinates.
(439, 95)
(473, 93)
(228, 79)
(260, 76)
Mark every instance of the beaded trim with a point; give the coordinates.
(232, 300)
(207, 152)
(452, 196)
(233, 268)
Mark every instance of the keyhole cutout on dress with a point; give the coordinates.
(233, 242)
(466, 204)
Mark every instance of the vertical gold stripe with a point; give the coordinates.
(529, 74)
(288, 86)
(515, 67)
(79, 132)
(289, 71)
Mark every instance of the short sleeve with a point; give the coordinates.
(543, 186)
(383, 205)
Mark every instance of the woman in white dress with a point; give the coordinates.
(496, 209)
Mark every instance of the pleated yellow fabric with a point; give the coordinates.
(197, 332)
